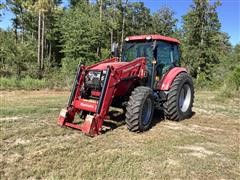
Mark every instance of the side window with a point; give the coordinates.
(164, 53)
(176, 54)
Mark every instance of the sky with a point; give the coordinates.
(229, 14)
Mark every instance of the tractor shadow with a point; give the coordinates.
(193, 114)
(117, 119)
(158, 116)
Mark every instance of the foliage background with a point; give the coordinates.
(84, 32)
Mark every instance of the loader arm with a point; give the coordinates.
(98, 110)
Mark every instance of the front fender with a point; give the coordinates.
(165, 83)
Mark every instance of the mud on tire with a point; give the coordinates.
(180, 98)
(140, 108)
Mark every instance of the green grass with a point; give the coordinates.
(26, 83)
(33, 146)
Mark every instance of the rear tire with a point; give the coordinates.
(139, 111)
(180, 98)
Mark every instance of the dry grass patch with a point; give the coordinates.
(34, 147)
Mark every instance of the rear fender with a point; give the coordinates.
(165, 83)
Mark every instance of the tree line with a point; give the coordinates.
(48, 41)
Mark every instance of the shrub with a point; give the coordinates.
(25, 83)
(68, 70)
(32, 84)
(231, 85)
(203, 83)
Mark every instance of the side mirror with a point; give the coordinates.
(114, 49)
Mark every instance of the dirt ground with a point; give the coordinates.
(207, 146)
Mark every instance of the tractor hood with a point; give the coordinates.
(105, 65)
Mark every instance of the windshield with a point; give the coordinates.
(133, 50)
(166, 54)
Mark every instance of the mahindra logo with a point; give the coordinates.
(86, 105)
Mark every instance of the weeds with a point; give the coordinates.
(34, 147)
(25, 83)
(28, 83)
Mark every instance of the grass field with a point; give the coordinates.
(207, 146)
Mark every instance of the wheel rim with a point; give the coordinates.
(147, 111)
(185, 98)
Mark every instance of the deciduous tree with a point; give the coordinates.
(201, 37)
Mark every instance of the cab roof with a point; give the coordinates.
(152, 37)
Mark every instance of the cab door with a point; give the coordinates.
(167, 57)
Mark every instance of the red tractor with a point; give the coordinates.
(146, 77)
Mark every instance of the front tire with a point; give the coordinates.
(179, 102)
(139, 111)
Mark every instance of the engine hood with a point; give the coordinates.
(105, 65)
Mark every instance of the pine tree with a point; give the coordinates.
(44, 10)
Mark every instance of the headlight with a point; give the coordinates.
(103, 76)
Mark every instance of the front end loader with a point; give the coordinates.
(147, 77)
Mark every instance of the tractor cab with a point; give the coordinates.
(161, 52)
